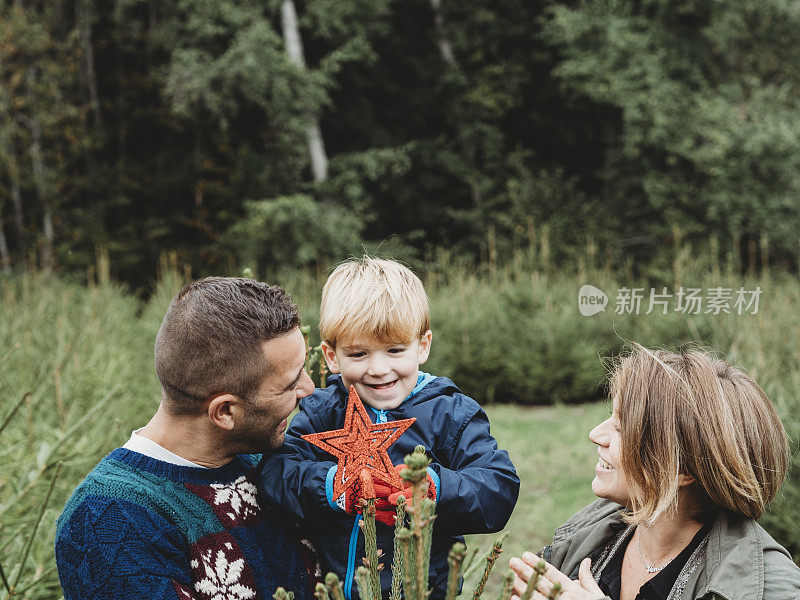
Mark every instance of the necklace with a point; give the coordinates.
(649, 568)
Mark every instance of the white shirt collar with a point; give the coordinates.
(142, 445)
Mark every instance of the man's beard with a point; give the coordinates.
(259, 434)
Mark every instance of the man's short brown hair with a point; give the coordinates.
(210, 341)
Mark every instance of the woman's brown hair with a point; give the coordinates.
(691, 413)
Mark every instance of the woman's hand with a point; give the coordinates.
(585, 588)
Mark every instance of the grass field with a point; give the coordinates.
(555, 461)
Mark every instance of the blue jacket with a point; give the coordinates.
(477, 485)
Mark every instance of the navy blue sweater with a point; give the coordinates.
(477, 483)
(140, 528)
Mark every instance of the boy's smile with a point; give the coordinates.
(383, 374)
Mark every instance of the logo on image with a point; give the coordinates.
(591, 300)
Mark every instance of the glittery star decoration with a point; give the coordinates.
(361, 444)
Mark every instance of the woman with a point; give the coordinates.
(692, 453)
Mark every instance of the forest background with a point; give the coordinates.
(509, 151)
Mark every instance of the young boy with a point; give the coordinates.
(375, 330)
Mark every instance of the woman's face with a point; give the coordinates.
(609, 481)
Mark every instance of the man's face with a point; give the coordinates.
(266, 413)
(383, 374)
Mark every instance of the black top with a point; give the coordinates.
(658, 587)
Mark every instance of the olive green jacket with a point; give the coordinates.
(737, 561)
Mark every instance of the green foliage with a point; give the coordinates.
(293, 232)
(43, 118)
(705, 94)
(228, 61)
(138, 128)
(515, 341)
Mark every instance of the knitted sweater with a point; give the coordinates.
(141, 528)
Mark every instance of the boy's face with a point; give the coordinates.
(383, 374)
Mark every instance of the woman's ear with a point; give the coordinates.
(330, 358)
(222, 410)
(685, 479)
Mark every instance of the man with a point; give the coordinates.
(173, 513)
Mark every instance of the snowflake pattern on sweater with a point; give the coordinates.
(141, 528)
(220, 570)
(234, 503)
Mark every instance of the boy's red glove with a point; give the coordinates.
(387, 495)
(351, 500)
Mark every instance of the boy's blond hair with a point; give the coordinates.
(698, 415)
(373, 298)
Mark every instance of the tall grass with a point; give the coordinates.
(76, 376)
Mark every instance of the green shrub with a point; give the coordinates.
(293, 232)
(84, 355)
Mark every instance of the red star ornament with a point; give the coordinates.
(361, 444)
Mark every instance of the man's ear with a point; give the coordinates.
(685, 479)
(222, 410)
(425, 346)
(330, 358)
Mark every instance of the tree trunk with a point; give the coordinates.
(47, 246)
(316, 148)
(5, 258)
(85, 26)
(16, 197)
(291, 33)
(9, 151)
(445, 48)
(16, 194)
(294, 48)
(41, 183)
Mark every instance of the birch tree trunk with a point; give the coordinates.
(16, 198)
(85, 26)
(294, 48)
(41, 183)
(445, 48)
(9, 153)
(16, 193)
(49, 236)
(5, 258)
